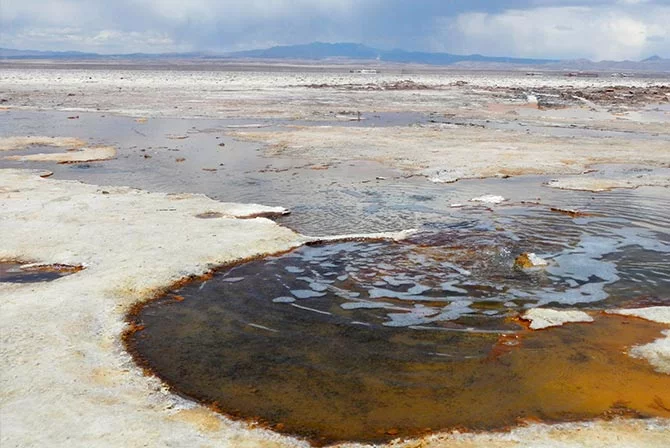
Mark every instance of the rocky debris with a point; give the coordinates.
(529, 260)
(406, 84)
(549, 97)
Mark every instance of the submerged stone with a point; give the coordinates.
(529, 260)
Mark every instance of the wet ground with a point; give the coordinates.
(178, 155)
(370, 341)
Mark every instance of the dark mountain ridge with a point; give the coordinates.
(342, 52)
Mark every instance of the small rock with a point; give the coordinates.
(529, 260)
(541, 318)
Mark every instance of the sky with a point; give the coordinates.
(568, 29)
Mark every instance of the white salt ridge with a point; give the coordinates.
(489, 199)
(660, 314)
(657, 353)
(284, 300)
(313, 310)
(544, 317)
(392, 236)
(263, 327)
(294, 269)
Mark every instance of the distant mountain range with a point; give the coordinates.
(342, 52)
(321, 51)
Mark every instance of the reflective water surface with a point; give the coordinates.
(373, 340)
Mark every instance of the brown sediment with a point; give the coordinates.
(406, 84)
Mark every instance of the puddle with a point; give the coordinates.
(329, 378)
(27, 273)
(369, 341)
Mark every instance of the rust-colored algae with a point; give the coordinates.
(568, 373)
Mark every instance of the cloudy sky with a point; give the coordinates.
(594, 29)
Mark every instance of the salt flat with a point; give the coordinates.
(66, 379)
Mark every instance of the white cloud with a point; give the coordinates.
(563, 32)
(594, 29)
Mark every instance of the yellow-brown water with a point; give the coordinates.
(330, 383)
(373, 341)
